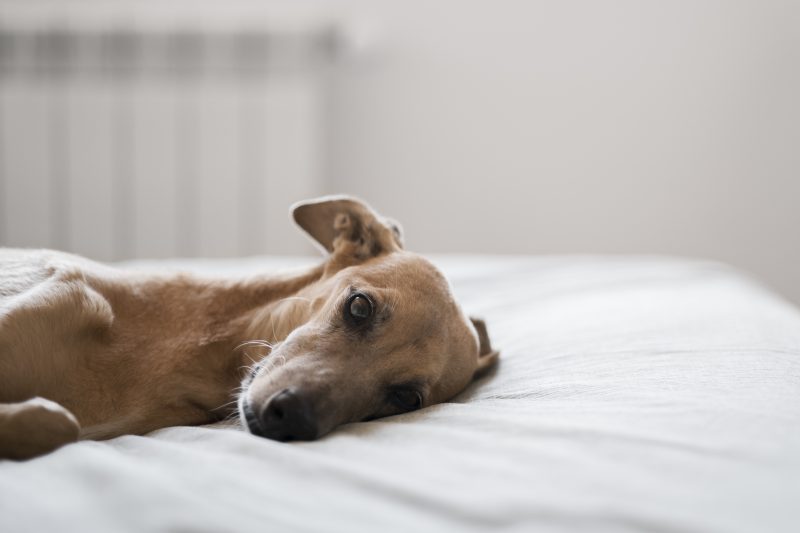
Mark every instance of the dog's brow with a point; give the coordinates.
(385, 311)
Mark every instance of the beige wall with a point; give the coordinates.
(579, 126)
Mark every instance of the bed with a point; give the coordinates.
(634, 394)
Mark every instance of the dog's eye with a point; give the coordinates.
(359, 307)
(406, 399)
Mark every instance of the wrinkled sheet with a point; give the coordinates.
(634, 394)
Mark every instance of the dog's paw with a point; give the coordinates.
(35, 427)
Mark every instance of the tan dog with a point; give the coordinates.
(372, 331)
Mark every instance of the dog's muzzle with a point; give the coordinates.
(288, 415)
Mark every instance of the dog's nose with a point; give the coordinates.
(288, 416)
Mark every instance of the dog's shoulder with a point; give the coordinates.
(49, 293)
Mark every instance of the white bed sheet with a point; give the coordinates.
(634, 394)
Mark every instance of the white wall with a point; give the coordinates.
(580, 126)
(607, 126)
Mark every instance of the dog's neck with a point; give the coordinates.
(258, 308)
(261, 309)
(185, 336)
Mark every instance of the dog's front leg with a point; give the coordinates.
(35, 427)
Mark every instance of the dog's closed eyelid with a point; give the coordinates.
(406, 398)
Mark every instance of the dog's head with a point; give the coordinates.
(378, 334)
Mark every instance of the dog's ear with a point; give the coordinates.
(487, 357)
(347, 226)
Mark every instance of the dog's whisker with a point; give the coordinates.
(269, 365)
(254, 342)
(224, 405)
(231, 417)
(272, 323)
(247, 354)
(258, 359)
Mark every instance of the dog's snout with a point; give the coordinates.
(288, 415)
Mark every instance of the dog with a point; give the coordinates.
(88, 351)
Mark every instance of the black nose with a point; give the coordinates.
(288, 416)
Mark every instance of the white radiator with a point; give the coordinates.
(147, 142)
